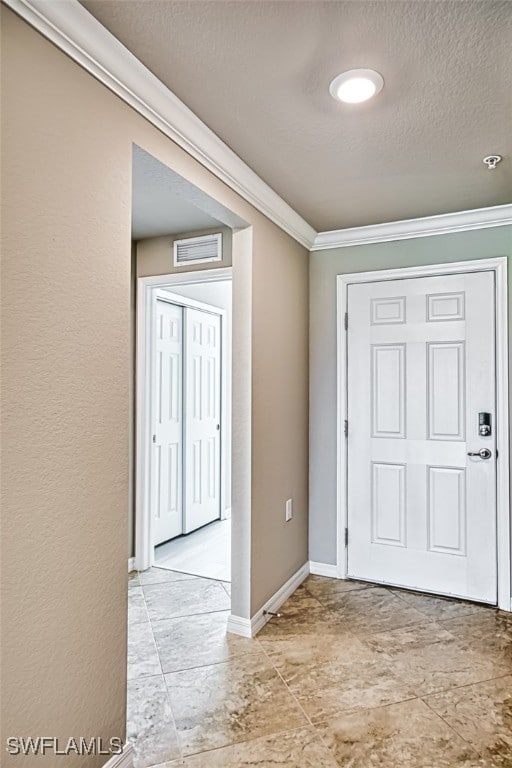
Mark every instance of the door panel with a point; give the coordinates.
(421, 512)
(166, 485)
(202, 418)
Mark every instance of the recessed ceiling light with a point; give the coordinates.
(356, 85)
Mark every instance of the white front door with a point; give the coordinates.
(166, 485)
(202, 418)
(421, 367)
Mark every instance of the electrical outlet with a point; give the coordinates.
(288, 510)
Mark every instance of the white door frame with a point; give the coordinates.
(147, 293)
(499, 267)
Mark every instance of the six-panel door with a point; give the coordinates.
(421, 366)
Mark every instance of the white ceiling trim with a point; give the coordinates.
(443, 224)
(70, 27)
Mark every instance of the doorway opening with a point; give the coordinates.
(190, 412)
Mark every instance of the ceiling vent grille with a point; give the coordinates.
(198, 250)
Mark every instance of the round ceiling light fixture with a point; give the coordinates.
(356, 85)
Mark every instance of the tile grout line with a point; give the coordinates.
(330, 611)
(244, 741)
(285, 683)
(189, 615)
(151, 622)
(428, 620)
(466, 685)
(425, 618)
(451, 727)
(163, 677)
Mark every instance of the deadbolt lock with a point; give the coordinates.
(484, 424)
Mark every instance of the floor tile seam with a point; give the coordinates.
(401, 655)
(466, 685)
(452, 728)
(408, 604)
(395, 629)
(456, 618)
(452, 687)
(164, 581)
(241, 674)
(344, 592)
(192, 615)
(340, 712)
(190, 576)
(285, 684)
(310, 594)
(176, 586)
(145, 608)
(440, 597)
(162, 675)
(187, 615)
(212, 663)
(142, 621)
(247, 741)
(325, 723)
(178, 742)
(423, 619)
(155, 646)
(408, 626)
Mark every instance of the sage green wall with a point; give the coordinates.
(324, 266)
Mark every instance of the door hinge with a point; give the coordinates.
(345, 427)
(346, 537)
(154, 438)
(346, 321)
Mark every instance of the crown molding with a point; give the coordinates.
(70, 27)
(443, 224)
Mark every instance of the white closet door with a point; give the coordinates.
(421, 499)
(166, 486)
(202, 418)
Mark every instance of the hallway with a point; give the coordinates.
(205, 552)
(351, 675)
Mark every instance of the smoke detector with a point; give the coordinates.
(492, 161)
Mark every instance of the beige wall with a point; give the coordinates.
(280, 397)
(66, 168)
(324, 266)
(155, 254)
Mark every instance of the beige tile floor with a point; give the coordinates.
(351, 676)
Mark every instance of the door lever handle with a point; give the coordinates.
(483, 453)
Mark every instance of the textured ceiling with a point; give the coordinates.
(164, 203)
(257, 73)
(157, 207)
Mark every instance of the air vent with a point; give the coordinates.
(198, 250)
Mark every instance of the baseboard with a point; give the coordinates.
(323, 569)
(250, 627)
(237, 625)
(131, 564)
(125, 760)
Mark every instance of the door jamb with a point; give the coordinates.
(499, 266)
(147, 288)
